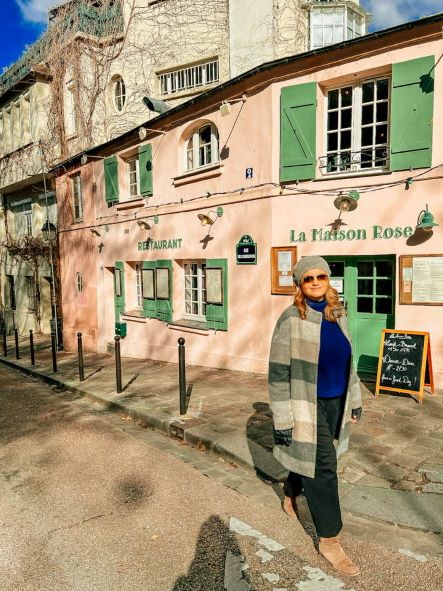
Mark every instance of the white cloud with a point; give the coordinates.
(35, 11)
(387, 13)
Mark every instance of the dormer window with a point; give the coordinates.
(334, 22)
(202, 147)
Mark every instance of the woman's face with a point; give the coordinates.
(314, 284)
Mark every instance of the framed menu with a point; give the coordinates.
(283, 259)
(421, 280)
(148, 284)
(214, 285)
(162, 284)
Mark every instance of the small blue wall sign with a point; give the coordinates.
(249, 173)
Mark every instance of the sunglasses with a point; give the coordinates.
(312, 278)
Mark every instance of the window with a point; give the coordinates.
(188, 78)
(133, 177)
(202, 147)
(31, 293)
(139, 284)
(195, 290)
(77, 197)
(357, 127)
(26, 118)
(119, 93)
(79, 282)
(23, 218)
(10, 292)
(334, 24)
(69, 107)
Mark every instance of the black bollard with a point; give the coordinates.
(31, 344)
(182, 374)
(118, 364)
(17, 352)
(81, 365)
(54, 352)
(5, 342)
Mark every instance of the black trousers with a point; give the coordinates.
(321, 492)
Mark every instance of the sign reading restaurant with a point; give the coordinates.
(150, 244)
(375, 233)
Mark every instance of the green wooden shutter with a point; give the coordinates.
(412, 104)
(163, 304)
(298, 132)
(217, 314)
(145, 167)
(119, 295)
(149, 305)
(111, 179)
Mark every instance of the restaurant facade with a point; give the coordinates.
(190, 226)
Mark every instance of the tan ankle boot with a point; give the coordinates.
(289, 506)
(330, 548)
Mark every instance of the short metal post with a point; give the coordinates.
(31, 344)
(182, 374)
(5, 342)
(17, 352)
(81, 365)
(54, 351)
(118, 364)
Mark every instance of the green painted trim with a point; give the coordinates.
(164, 308)
(217, 314)
(111, 179)
(145, 169)
(149, 305)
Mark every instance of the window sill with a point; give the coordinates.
(351, 175)
(199, 174)
(130, 203)
(194, 326)
(134, 316)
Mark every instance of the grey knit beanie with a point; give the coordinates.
(306, 263)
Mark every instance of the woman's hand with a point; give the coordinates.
(283, 437)
(356, 414)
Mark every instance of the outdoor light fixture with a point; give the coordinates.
(49, 231)
(143, 132)
(84, 158)
(95, 233)
(348, 201)
(226, 106)
(425, 220)
(145, 224)
(155, 105)
(206, 219)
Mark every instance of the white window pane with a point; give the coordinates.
(318, 36)
(327, 36)
(339, 16)
(328, 16)
(338, 34)
(317, 17)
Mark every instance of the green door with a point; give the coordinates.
(366, 286)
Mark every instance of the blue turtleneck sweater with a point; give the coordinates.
(334, 357)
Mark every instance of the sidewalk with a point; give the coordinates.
(393, 471)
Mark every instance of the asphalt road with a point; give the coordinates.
(91, 502)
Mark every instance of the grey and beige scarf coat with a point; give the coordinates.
(293, 369)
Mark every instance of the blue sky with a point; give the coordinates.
(22, 21)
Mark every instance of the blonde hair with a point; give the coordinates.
(334, 308)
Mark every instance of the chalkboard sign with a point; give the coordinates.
(404, 363)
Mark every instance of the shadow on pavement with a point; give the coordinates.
(207, 570)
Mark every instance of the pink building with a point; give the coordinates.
(268, 157)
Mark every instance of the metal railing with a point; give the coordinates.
(365, 160)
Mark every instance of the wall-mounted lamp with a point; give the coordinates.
(49, 231)
(147, 223)
(207, 220)
(95, 232)
(156, 105)
(348, 201)
(143, 132)
(85, 157)
(425, 220)
(226, 106)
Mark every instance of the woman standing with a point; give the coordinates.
(315, 395)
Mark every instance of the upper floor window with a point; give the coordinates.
(133, 176)
(119, 91)
(333, 24)
(77, 197)
(79, 282)
(23, 218)
(202, 147)
(31, 291)
(70, 109)
(357, 135)
(190, 77)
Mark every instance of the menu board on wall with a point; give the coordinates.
(162, 284)
(421, 280)
(214, 286)
(283, 259)
(404, 363)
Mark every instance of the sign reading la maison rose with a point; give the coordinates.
(160, 244)
(373, 233)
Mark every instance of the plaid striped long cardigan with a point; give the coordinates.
(293, 369)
